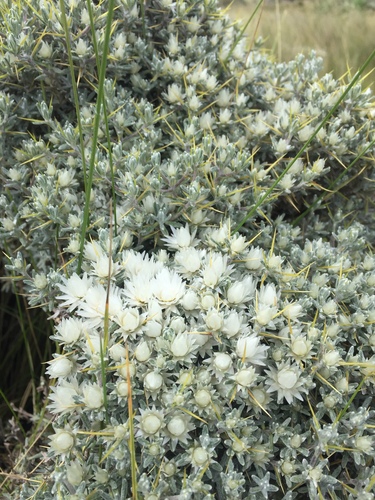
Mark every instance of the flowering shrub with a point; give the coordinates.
(197, 127)
(194, 361)
(248, 373)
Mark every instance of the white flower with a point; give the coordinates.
(138, 289)
(142, 352)
(153, 382)
(60, 367)
(105, 266)
(214, 320)
(292, 311)
(206, 121)
(167, 287)
(128, 320)
(215, 269)
(233, 324)
(95, 304)
(189, 260)
(241, 291)
(93, 396)
(180, 238)
(45, 50)
(62, 441)
(267, 295)
(285, 379)
(69, 330)
(74, 290)
(265, 314)
(248, 349)
(40, 281)
(202, 398)
(178, 428)
(150, 423)
(190, 300)
(245, 377)
(182, 346)
(81, 47)
(174, 93)
(63, 396)
(74, 473)
(254, 258)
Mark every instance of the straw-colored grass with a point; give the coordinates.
(341, 34)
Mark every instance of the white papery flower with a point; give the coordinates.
(265, 314)
(180, 238)
(249, 349)
(167, 287)
(292, 311)
(128, 319)
(94, 306)
(178, 429)
(182, 347)
(233, 324)
(254, 259)
(135, 263)
(216, 267)
(189, 260)
(150, 422)
(93, 396)
(105, 266)
(214, 320)
(63, 397)
(61, 366)
(286, 380)
(74, 290)
(74, 473)
(69, 330)
(138, 289)
(241, 291)
(267, 295)
(62, 441)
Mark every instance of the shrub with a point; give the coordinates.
(195, 361)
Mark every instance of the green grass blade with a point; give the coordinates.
(97, 118)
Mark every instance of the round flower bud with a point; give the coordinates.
(300, 347)
(329, 402)
(331, 358)
(169, 469)
(177, 426)
(60, 367)
(62, 441)
(287, 378)
(222, 361)
(142, 352)
(199, 457)
(364, 443)
(151, 424)
(74, 473)
(190, 301)
(342, 385)
(246, 377)
(214, 320)
(153, 381)
(295, 441)
(117, 352)
(152, 329)
(180, 346)
(208, 301)
(287, 467)
(122, 388)
(93, 396)
(202, 398)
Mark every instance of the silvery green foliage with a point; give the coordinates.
(250, 370)
(199, 127)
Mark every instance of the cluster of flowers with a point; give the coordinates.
(197, 126)
(241, 367)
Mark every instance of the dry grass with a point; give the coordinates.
(342, 36)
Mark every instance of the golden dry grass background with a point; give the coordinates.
(343, 34)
